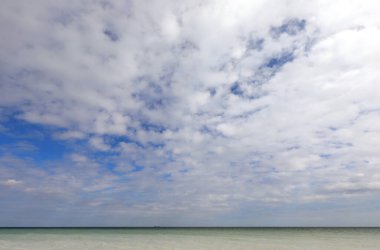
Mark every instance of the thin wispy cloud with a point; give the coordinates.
(189, 113)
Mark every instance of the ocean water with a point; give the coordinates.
(191, 238)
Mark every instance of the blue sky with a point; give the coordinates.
(191, 113)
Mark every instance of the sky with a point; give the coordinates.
(189, 113)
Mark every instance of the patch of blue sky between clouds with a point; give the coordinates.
(272, 63)
(290, 27)
(167, 177)
(153, 127)
(236, 89)
(111, 34)
(263, 74)
(28, 140)
(279, 61)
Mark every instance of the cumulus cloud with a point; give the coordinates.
(197, 107)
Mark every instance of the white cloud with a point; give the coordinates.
(99, 144)
(10, 182)
(78, 158)
(67, 135)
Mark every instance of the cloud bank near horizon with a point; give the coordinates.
(189, 113)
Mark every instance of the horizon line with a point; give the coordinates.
(182, 227)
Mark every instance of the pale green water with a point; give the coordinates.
(192, 238)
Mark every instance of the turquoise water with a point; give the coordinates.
(191, 238)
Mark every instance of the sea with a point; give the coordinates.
(189, 238)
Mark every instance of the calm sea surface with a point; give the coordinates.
(191, 238)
